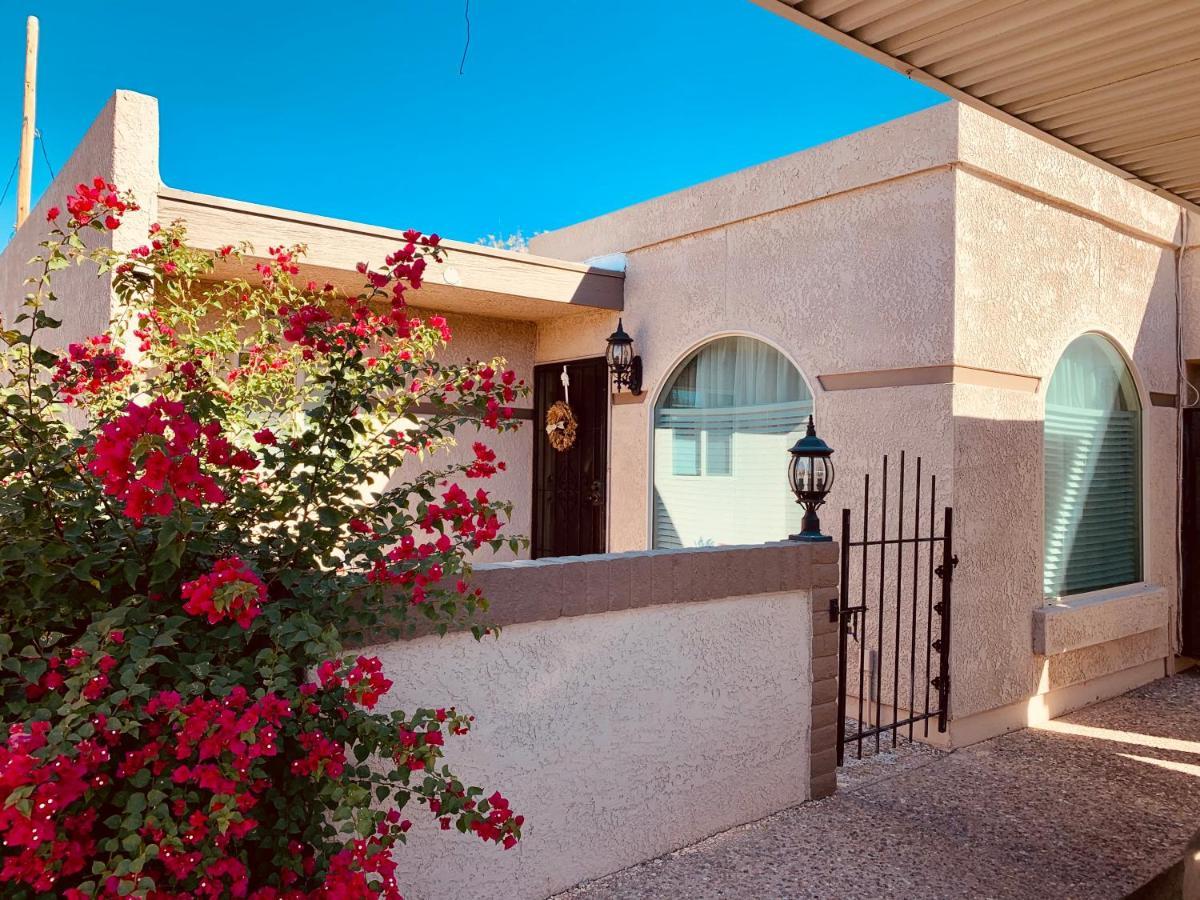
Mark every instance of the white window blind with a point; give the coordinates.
(1092, 471)
(722, 429)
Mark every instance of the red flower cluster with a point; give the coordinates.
(409, 564)
(211, 747)
(89, 202)
(150, 326)
(365, 682)
(301, 330)
(499, 824)
(403, 269)
(472, 518)
(48, 838)
(129, 777)
(230, 591)
(149, 457)
(350, 869)
(89, 366)
(259, 361)
(322, 757)
(485, 464)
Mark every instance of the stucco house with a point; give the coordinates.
(946, 285)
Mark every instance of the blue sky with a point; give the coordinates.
(566, 110)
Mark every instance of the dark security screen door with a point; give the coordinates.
(1191, 533)
(570, 487)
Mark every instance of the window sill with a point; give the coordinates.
(1084, 620)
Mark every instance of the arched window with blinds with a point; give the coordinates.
(1093, 438)
(722, 428)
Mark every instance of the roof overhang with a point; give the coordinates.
(1114, 82)
(473, 279)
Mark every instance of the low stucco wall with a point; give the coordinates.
(629, 711)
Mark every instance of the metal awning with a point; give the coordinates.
(1115, 80)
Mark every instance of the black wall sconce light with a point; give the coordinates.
(626, 368)
(810, 475)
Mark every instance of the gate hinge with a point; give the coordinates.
(940, 571)
(937, 680)
(937, 644)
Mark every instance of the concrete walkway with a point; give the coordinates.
(1093, 805)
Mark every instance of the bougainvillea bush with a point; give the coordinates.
(200, 509)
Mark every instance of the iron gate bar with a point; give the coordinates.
(912, 631)
(949, 561)
(855, 620)
(882, 580)
(929, 601)
(899, 588)
(844, 602)
(862, 646)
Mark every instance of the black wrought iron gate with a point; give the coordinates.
(894, 612)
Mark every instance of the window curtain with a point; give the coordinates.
(1093, 471)
(723, 426)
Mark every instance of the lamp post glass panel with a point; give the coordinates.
(625, 366)
(811, 476)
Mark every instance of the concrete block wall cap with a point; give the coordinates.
(1098, 617)
(536, 590)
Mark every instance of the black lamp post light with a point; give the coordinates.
(626, 368)
(811, 476)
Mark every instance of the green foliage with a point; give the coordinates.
(200, 507)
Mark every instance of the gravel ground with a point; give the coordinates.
(1091, 807)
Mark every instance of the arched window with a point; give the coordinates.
(722, 428)
(1093, 439)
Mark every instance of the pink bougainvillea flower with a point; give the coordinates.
(230, 591)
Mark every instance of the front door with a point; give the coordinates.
(1190, 549)
(570, 487)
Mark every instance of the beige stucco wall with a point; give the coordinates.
(986, 250)
(121, 146)
(1190, 283)
(619, 736)
(476, 338)
(856, 281)
(1033, 273)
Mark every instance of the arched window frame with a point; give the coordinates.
(667, 381)
(1138, 394)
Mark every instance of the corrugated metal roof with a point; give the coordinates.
(1118, 80)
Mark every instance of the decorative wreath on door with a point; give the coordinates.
(561, 426)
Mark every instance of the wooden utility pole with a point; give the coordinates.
(28, 122)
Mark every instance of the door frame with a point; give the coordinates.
(539, 444)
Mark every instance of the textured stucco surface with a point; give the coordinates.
(1032, 276)
(823, 282)
(619, 736)
(477, 338)
(121, 146)
(1098, 617)
(1089, 807)
(924, 140)
(1190, 281)
(1039, 275)
(985, 249)
(988, 144)
(1106, 657)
